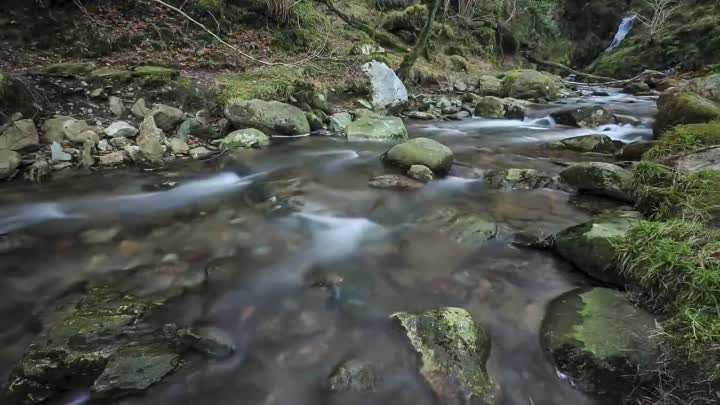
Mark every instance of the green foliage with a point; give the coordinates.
(653, 175)
(685, 138)
(307, 28)
(675, 266)
(155, 75)
(458, 63)
(411, 18)
(667, 195)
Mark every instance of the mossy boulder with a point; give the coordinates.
(488, 85)
(454, 350)
(110, 74)
(586, 116)
(590, 246)
(602, 342)
(599, 178)
(530, 84)
(246, 138)
(372, 127)
(490, 107)
(421, 151)
(678, 108)
(591, 143)
(707, 86)
(15, 97)
(463, 227)
(270, 117)
(78, 69)
(74, 352)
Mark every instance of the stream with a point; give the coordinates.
(237, 242)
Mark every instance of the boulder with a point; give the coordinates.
(708, 87)
(355, 376)
(395, 182)
(421, 151)
(139, 109)
(178, 146)
(453, 351)
(200, 152)
(462, 227)
(79, 131)
(20, 135)
(371, 127)
(635, 151)
(270, 117)
(54, 129)
(246, 138)
(489, 86)
(339, 123)
(15, 97)
(530, 84)
(677, 108)
(197, 128)
(591, 143)
(601, 178)
(166, 117)
(121, 129)
(112, 159)
(602, 342)
(515, 109)
(521, 179)
(9, 162)
(421, 173)
(585, 116)
(151, 141)
(316, 124)
(490, 107)
(636, 88)
(387, 89)
(590, 246)
(704, 159)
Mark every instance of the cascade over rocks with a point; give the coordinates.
(270, 117)
(602, 342)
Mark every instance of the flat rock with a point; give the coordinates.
(246, 138)
(601, 178)
(395, 182)
(20, 135)
(707, 159)
(270, 117)
(372, 127)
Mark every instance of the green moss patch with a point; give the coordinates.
(675, 267)
(70, 69)
(277, 83)
(685, 138)
(307, 28)
(156, 75)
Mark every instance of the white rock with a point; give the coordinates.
(103, 146)
(112, 159)
(121, 128)
(57, 154)
(387, 89)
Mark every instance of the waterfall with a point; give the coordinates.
(626, 25)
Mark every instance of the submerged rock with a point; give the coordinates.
(590, 246)
(9, 162)
(20, 135)
(75, 351)
(591, 143)
(355, 376)
(521, 179)
(387, 89)
(339, 123)
(602, 342)
(465, 228)
(586, 116)
(421, 151)
(270, 117)
(210, 341)
(246, 138)
(373, 127)
(454, 350)
(600, 178)
(395, 182)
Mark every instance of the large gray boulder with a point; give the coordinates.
(387, 89)
(590, 246)
(20, 135)
(599, 178)
(167, 117)
(421, 151)
(270, 117)
(490, 107)
(708, 87)
(372, 127)
(602, 342)
(488, 85)
(584, 116)
(453, 350)
(699, 160)
(9, 162)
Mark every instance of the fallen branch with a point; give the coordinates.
(567, 69)
(619, 82)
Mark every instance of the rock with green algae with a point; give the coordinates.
(421, 151)
(679, 108)
(355, 376)
(111, 74)
(75, 351)
(521, 179)
(529, 84)
(77, 69)
(602, 342)
(249, 138)
(454, 350)
(591, 143)
(270, 117)
(591, 246)
(488, 85)
(463, 227)
(599, 178)
(373, 127)
(490, 107)
(156, 75)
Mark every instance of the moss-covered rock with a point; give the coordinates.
(246, 138)
(421, 151)
(490, 107)
(70, 69)
(270, 117)
(678, 108)
(373, 127)
(75, 351)
(590, 248)
(453, 349)
(602, 342)
(197, 128)
(156, 75)
(591, 143)
(684, 139)
(488, 85)
(600, 178)
(521, 179)
(20, 135)
(15, 97)
(110, 74)
(529, 84)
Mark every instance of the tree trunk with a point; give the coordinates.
(421, 44)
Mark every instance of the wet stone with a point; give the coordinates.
(210, 341)
(355, 376)
(395, 182)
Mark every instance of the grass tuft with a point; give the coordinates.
(277, 83)
(685, 138)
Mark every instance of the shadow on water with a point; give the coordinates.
(242, 249)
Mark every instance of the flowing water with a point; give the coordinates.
(238, 240)
(626, 25)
